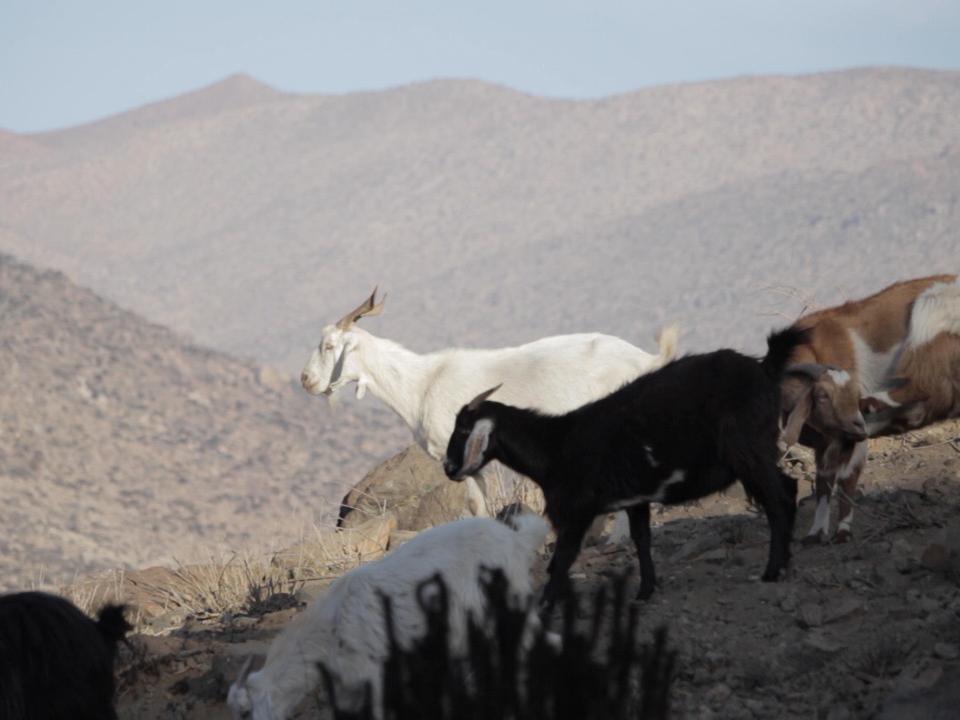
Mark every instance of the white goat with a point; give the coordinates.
(345, 630)
(553, 375)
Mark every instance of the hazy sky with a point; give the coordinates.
(63, 62)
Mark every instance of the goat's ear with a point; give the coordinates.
(811, 371)
(796, 399)
(894, 383)
(477, 443)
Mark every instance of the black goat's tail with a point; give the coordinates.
(780, 346)
(111, 623)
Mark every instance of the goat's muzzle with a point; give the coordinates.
(857, 430)
(452, 471)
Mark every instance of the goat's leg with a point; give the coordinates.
(569, 538)
(848, 475)
(766, 486)
(826, 458)
(640, 532)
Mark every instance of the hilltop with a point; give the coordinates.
(248, 218)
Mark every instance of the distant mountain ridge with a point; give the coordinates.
(249, 218)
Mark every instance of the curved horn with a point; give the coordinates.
(475, 403)
(810, 370)
(365, 309)
(244, 671)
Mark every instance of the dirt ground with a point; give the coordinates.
(870, 628)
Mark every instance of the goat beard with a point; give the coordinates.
(333, 400)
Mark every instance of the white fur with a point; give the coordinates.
(344, 630)
(873, 368)
(840, 377)
(821, 519)
(553, 375)
(857, 459)
(847, 522)
(936, 310)
(677, 476)
(650, 459)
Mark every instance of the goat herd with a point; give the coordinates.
(600, 426)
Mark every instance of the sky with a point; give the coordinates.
(65, 62)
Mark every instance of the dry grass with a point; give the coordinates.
(230, 582)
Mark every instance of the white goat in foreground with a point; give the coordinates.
(345, 630)
(553, 375)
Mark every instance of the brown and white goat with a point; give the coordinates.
(895, 356)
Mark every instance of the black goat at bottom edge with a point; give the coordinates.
(55, 662)
(586, 676)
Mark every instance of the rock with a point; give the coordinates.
(810, 615)
(823, 642)
(311, 590)
(410, 485)
(696, 546)
(946, 651)
(362, 543)
(787, 600)
(842, 610)
(399, 537)
(716, 556)
(903, 555)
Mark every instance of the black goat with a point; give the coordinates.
(679, 433)
(55, 662)
(595, 673)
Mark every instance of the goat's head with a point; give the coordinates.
(330, 366)
(824, 397)
(473, 442)
(247, 701)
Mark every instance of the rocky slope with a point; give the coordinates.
(122, 444)
(869, 627)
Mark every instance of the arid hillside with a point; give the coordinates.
(248, 217)
(122, 444)
(867, 629)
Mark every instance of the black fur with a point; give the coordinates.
(714, 417)
(598, 672)
(55, 662)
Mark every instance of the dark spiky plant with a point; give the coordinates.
(512, 672)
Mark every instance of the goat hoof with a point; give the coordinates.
(644, 593)
(772, 575)
(814, 539)
(842, 536)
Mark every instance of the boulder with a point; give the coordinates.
(410, 485)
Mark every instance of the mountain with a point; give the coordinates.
(248, 218)
(122, 444)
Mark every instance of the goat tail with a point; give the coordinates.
(780, 347)
(667, 341)
(111, 623)
(532, 530)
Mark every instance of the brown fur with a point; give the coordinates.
(829, 412)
